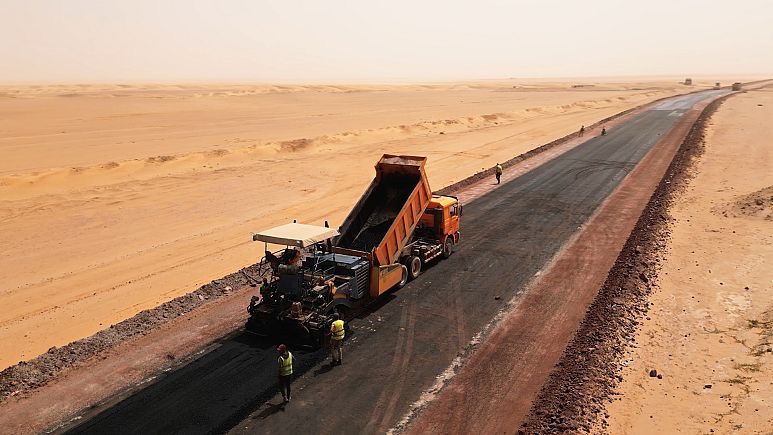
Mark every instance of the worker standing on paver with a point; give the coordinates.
(255, 300)
(498, 171)
(285, 361)
(337, 338)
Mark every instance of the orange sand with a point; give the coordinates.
(712, 319)
(114, 199)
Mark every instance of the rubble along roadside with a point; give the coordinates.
(585, 377)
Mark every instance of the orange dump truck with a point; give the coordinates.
(396, 228)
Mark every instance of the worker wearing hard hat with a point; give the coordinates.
(285, 361)
(498, 171)
(336, 338)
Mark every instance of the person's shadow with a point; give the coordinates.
(324, 368)
(270, 410)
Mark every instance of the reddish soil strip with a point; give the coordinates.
(573, 397)
(494, 390)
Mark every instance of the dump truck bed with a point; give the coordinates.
(383, 220)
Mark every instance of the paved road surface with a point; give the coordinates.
(397, 349)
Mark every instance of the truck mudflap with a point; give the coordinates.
(386, 277)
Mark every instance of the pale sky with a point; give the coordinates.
(361, 40)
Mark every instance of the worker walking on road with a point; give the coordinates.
(582, 130)
(603, 131)
(498, 171)
(285, 361)
(336, 338)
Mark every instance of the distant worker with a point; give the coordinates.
(498, 171)
(582, 130)
(336, 338)
(285, 361)
(603, 131)
(255, 300)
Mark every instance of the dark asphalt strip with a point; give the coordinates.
(398, 348)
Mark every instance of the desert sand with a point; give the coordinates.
(709, 331)
(116, 198)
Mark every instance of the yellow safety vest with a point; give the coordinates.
(286, 365)
(499, 169)
(338, 330)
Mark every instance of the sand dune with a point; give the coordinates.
(115, 198)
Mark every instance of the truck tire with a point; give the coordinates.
(448, 247)
(404, 279)
(414, 266)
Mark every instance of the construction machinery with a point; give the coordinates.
(396, 229)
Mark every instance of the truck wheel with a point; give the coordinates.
(404, 279)
(414, 267)
(448, 247)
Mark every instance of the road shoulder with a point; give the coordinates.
(709, 329)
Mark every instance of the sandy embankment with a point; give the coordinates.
(709, 331)
(114, 199)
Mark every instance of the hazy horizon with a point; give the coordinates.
(240, 41)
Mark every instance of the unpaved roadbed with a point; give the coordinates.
(584, 379)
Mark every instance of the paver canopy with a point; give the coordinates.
(294, 234)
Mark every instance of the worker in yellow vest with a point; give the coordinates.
(498, 172)
(285, 361)
(337, 338)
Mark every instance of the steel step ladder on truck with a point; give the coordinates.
(396, 228)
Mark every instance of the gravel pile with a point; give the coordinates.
(757, 204)
(573, 398)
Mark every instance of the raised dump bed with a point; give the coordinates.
(383, 220)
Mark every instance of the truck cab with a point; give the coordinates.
(441, 219)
